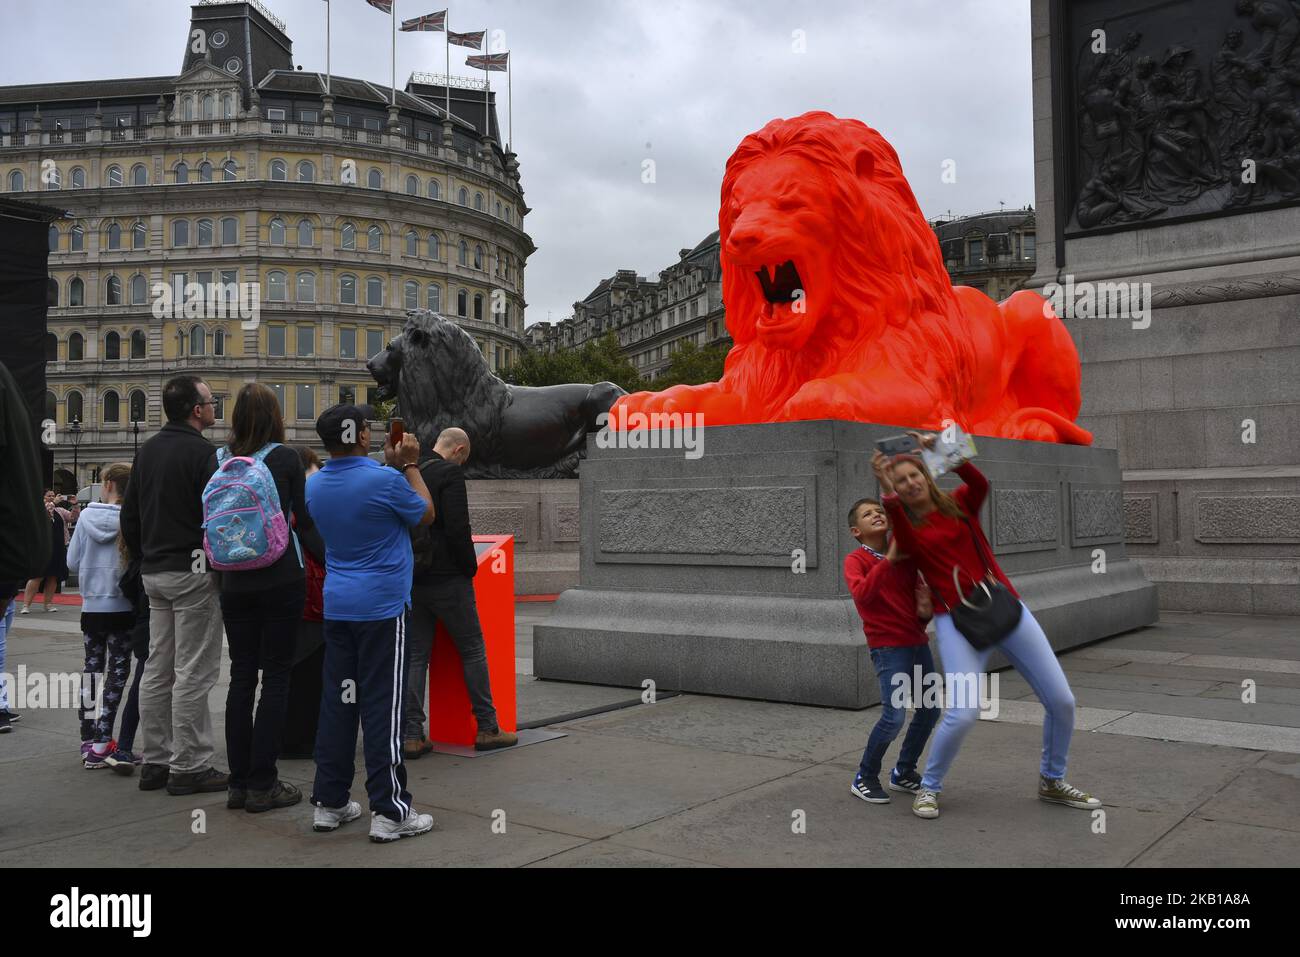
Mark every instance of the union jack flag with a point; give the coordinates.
(385, 5)
(498, 62)
(472, 40)
(427, 23)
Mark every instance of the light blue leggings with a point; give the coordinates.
(1027, 649)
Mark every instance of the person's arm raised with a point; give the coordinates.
(406, 457)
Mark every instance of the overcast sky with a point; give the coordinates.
(603, 85)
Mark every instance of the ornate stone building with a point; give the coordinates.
(995, 252)
(245, 180)
(651, 317)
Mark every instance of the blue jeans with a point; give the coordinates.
(889, 662)
(1028, 651)
(6, 622)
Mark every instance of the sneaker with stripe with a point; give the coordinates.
(1058, 792)
(385, 831)
(869, 789)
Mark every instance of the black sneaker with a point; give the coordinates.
(11, 715)
(5, 726)
(193, 782)
(907, 781)
(153, 776)
(236, 798)
(282, 795)
(869, 789)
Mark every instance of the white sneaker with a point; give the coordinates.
(329, 818)
(51, 609)
(384, 831)
(24, 610)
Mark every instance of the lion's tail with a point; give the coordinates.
(1068, 432)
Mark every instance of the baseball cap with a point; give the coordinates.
(334, 420)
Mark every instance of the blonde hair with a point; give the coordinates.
(119, 473)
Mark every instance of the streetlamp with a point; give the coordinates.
(75, 430)
(135, 430)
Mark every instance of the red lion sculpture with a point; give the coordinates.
(840, 306)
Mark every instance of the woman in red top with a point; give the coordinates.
(941, 533)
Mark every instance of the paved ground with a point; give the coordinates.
(1190, 774)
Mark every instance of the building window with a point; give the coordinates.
(113, 176)
(347, 343)
(975, 252)
(76, 347)
(478, 257)
(205, 232)
(434, 252)
(182, 173)
(53, 236)
(411, 294)
(478, 306)
(462, 304)
(187, 110)
(374, 342)
(77, 292)
(306, 235)
(227, 107)
(374, 239)
(347, 395)
(308, 116)
(275, 114)
(412, 186)
(278, 389)
(139, 236)
(205, 172)
(276, 232)
(138, 343)
(306, 287)
(229, 231)
(433, 189)
(112, 407)
(198, 341)
(75, 410)
(374, 291)
(463, 256)
(139, 175)
(276, 287)
(279, 171)
(348, 290)
(375, 179)
(306, 171)
(112, 346)
(1030, 245)
(275, 340)
(136, 403)
(180, 232)
(306, 340)
(16, 181)
(412, 243)
(78, 178)
(349, 236)
(498, 210)
(462, 197)
(113, 291)
(478, 202)
(114, 236)
(76, 239)
(305, 400)
(433, 298)
(229, 172)
(139, 290)
(219, 342)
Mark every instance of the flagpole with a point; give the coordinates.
(487, 93)
(510, 102)
(327, 47)
(393, 11)
(446, 36)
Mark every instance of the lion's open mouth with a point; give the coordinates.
(780, 283)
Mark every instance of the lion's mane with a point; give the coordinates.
(887, 267)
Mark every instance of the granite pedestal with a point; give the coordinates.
(542, 515)
(723, 574)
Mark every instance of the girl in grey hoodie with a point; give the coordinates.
(106, 617)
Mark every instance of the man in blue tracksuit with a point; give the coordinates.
(364, 512)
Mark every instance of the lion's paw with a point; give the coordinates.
(1032, 430)
(820, 399)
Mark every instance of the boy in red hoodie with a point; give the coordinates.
(895, 606)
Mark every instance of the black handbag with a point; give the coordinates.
(989, 612)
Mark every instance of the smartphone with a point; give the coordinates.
(396, 429)
(897, 444)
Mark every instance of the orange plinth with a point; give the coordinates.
(840, 306)
(451, 721)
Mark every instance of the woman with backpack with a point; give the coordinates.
(106, 618)
(258, 484)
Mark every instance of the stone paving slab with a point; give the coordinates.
(1273, 678)
(1196, 843)
(1214, 709)
(1233, 734)
(1011, 683)
(607, 854)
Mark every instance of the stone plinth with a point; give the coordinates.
(542, 515)
(723, 574)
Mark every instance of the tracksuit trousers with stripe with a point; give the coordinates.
(362, 682)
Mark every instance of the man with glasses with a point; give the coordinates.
(162, 524)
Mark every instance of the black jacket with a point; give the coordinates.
(453, 544)
(24, 524)
(290, 482)
(162, 517)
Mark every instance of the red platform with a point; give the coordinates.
(451, 721)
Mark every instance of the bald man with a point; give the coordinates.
(442, 589)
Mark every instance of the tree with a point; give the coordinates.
(598, 360)
(691, 365)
